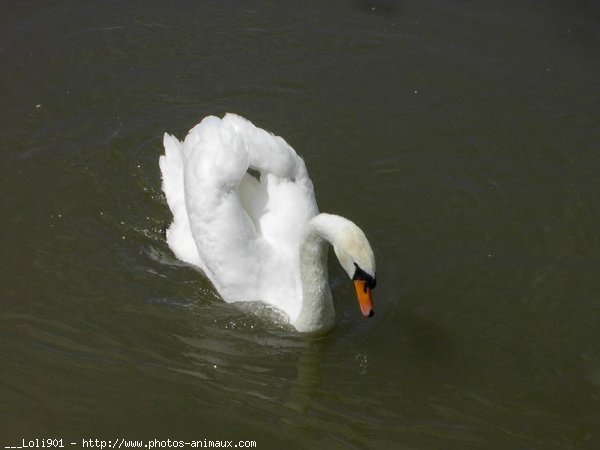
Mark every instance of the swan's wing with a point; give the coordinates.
(215, 162)
(283, 201)
(246, 232)
(266, 152)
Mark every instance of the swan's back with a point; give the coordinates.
(242, 231)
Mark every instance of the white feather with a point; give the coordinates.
(248, 235)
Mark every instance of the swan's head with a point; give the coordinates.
(356, 257)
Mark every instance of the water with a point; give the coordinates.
(463, 137)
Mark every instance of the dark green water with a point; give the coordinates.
(464, 137)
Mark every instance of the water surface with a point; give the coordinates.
(463, 137)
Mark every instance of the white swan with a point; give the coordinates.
(258, 238)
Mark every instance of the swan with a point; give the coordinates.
(244, 212)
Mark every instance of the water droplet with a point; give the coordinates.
(363, 363)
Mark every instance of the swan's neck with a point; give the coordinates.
(317, 312)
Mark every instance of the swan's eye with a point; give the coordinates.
(360, 274)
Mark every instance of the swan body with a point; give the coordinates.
(258, 238)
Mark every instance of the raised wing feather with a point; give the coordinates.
(246, 232)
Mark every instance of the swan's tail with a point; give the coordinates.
(179, 234)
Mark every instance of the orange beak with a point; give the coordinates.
(365, 298)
